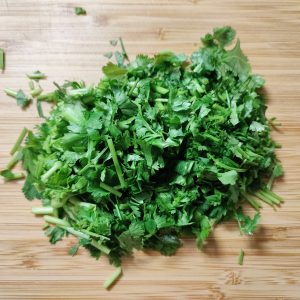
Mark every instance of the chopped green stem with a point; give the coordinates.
(251, 201)
(31, 85)
(241, 257)
(112, 278)
(117, 187)
(50, 97)
(264, 199)
(42, 210)
(268, 196)
(39, 108)
(15, 176)
(95, 234)
(11, 93)
(123, 49)
(54, 168)
(36, 75)
(36, 92)
(133, 87)
(2, 59)
(14, 160)
(78, 92)
(110, 189)
(77, 233)
(274, 195)
(56, 221)
(211, 137)
(161, 90)
(199, 88)
(87, 204)
(116, 162)
(165, 100)
(19, 141)
(102, 248)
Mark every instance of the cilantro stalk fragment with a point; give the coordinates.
(2, 59)
(116, 162)
(19, 141)
(241, 257)
(111, 280)
(42, 210)
(80, 11)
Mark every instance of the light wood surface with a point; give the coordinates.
(48, 36)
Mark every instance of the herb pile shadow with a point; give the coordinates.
(162, 147)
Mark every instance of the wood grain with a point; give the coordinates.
(47, 35)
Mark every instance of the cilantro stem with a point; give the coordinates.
(39, 108)
(268, 196)
(251, 201)
(274, 195)
(11, 93)
(36, 92)
(95, 234)
(77, 233)
(37, 75)
(112, 278)
(42, 210)
(161, 90)
(50, 97)
(116, 162)
(14, 160)
(165, 100)
(56, 221)
(54, 168)
(78, 92)
(31, 85)
(11, 175)
(100, 247)
(19, 141)
(241, 257)
(264, 199)
(2, 59)
(110, 189)
(123, 49)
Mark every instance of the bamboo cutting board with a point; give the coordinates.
(48, 36)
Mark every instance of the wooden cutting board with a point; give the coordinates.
(48, 36)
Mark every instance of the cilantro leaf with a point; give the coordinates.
(237, 61)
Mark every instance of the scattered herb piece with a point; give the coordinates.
(79, 11)
(9, 175)
(37, 75)
(111, 280)
(2, 59)
(241, 257)
(19, 141)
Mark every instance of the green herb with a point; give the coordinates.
(241, 257)
(80, 11)
(8, 175)
(2, 59)
(117, 273)
(37, 75)
(39, 109)
(42, 210)
(19, 141)
(22, 99)
(161, 147)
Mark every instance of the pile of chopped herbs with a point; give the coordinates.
(162, 147)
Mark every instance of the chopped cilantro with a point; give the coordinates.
(2, 59)
(79, 11)
(162, 146)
